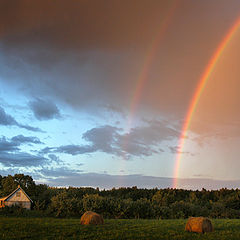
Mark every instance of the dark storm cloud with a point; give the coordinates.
(46, 150)
(8, 120)
(29, 128)
(75, 149)
(6, 145)
(23, 139)
(175, 150)
(15, 142)
(80, 24)
(104, 139)
(21, 159)
(91, 53)
(153, 133)
(54, 158)
(140, 141)
(44, 109)
(11, 154)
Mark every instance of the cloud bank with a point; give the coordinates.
(44, 109)
(139, 141)
(8, 120)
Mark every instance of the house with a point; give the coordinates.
(17, 197)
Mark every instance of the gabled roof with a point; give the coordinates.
(6, 198)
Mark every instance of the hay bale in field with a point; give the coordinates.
(199, 225)
(91, 218)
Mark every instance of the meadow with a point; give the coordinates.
(52, 228)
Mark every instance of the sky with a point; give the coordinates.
(96, 93)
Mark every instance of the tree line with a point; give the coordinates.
(130, 202)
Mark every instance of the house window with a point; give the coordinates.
(18, 194)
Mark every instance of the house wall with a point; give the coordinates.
(26, 205)
(21, 200)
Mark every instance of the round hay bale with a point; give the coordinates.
(91, 218)
(199, 225)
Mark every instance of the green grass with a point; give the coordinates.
(51, 228)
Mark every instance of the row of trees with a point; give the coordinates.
(124, 202)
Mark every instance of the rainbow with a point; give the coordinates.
(151, 52)
(197, 94)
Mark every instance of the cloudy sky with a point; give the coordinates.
(95, 93)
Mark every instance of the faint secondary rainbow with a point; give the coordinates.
(197, 94)
(143, 75)
(151, 52)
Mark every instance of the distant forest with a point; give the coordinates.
(122, 202)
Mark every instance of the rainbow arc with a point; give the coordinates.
(198, 92)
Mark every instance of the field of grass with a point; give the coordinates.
(50, 228)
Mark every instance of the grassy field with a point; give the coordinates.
(50, 228)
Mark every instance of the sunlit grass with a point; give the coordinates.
(51, 228)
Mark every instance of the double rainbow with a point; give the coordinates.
(197, 94)
(148, 60)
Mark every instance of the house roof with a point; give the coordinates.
(6, 198)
